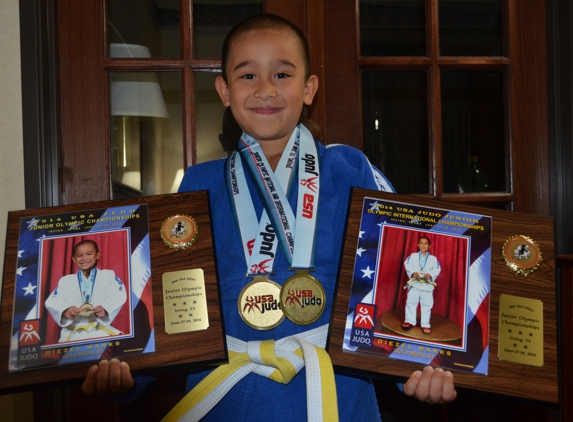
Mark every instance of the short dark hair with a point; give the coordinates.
(262, 22)
(84, 242)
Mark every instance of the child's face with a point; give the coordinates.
(424, 245)
(266, 86)
(85, 257)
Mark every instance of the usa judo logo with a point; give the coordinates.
(364, 317)
(29, 342)
(363, 325)
(29, 332)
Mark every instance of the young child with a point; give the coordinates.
(422, 268)
(85, 303)
(280, 206)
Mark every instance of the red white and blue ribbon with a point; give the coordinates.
(278, 222)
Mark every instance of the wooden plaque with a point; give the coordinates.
(510, 280)
(179, 249)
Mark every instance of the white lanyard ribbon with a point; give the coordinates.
(423, 260)
(86, 283)
(260, 239)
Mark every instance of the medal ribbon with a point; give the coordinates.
(258, 239)
(86, 283)
(287, 227)
(277, 360)
(422, 261)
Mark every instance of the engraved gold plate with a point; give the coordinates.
(184, 301)
(302, 298)
(179, 231)
(521, 254)
(86, 309)
(521, 330)
(259, 304)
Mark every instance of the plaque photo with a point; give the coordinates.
(427, 282)
(420, 286)
(85, 282)
(70, 263)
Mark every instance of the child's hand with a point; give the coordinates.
(415, 275)
(99, 311)
(108, 378)
(433, 386)
(71, 312)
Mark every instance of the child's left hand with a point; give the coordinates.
(434, 386)
(100, 311)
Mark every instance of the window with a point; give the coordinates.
(444, 89)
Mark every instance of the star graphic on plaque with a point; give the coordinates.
(33, 222)
(29, 289)
(367, 272)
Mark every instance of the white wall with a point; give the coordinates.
(11, 161)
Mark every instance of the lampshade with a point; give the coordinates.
(177, 180)
(132, 179)
(135, 94)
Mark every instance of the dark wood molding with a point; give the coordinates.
(342, 77)
(529, 133)
(83, 98)
(560, 56)
(38, 73)
(565, 265)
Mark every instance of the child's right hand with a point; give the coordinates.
(71, 312)
(108, 378)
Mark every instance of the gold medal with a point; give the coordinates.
(521, 254)
(86, 309)
(302, 298)
(179, 231)
(259, 304)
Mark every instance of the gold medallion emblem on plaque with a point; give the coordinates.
(179, 231)
(259, 304)
(521, 254)
(302, 298)
(86, 309)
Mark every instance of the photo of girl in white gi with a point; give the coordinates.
(85, 304)
(422, 268)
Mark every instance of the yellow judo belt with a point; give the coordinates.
(277, 360)
(89, 326)
(420, 280)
